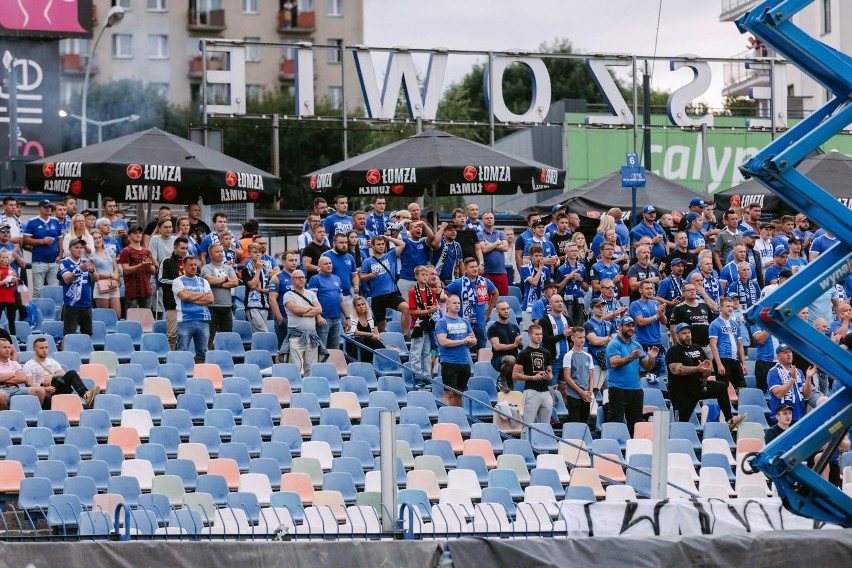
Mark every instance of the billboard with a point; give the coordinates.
(46, 18)
(37, 66)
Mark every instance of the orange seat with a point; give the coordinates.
(643, 430)
(126, 437)
(336, 358)
(587, 477)
(449, 432)
(747, 445)
(70, 404)
(299, 418)
(610, 470)
(280, 387)
(299, 483)
(11, 474)
(227, 468)
(209, 371)
(143, 316)
(96, 372)
(426, 480)
(477, 447)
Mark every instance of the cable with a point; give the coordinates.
(657, 36)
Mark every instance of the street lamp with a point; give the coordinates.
(99, 123)
(114, 16)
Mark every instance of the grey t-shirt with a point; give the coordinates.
(580, 363)
(221, 296)
(725, 243)
(294, 321)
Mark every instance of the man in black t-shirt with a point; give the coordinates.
(534, 368)
(695, 313)
(689, 369)
(681, 252)
(313, 251)
(504, 336)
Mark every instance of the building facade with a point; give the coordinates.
(157, 42)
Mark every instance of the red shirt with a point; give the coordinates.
(138, 284)
(412, 301)
(7, 293)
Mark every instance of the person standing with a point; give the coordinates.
(198, 229)
(669, 292)
(279, 285)
(641, 272)
(343, 266)
(137, 265)
(536, 276)
(696, 312)
(494, 247)
(220, 225)
(726, 345)
(505, 337)
(45, 372)
(77, 274)
(42, 234)
(605, 269)
(192, 296)
(171, 268)
(789, 385)
(624, 356)
(118, 226)
(478, 298)
(256, 280)
(599, 333)
(314, 250)
(302, 308)
(571, 281)
(578, 374)
(222, 278)
(649, 227)
(447, 257)
(649, 315)
(727, 239)
(340, 221)
(380, 271)
(423, 302)
(689, 382)
(377, 219)
(534, 368)
(556, 333)
(416, 253)
(327, 287)
(455, 338)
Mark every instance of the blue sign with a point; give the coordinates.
(632, 176)
(632, 160)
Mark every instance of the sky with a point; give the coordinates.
(600, 26)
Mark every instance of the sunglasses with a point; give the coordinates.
(5, 231)
(608, 287)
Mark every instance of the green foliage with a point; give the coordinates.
(740, 106)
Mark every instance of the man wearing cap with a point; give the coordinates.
(696, 205)
(553, 226)
(650, 228)
(779, 263)
(541, 307)
(695, 312)
(695, 238)
(783, 420)
(689, 379)
(548, 250)
(78, 276)
(42, 234)
(669, 292)
(624, 356)
(599, 333)
(789, 385)
(796, 260)
(138, 265)
(727, 239)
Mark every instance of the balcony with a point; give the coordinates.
(739, 79)
(206, 21)
(287, 72)
(305, 23)
(75, 64)
(214, 63)
(733, 9)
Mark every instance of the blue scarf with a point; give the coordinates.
(469, 300)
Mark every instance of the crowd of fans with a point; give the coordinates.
(661, 302)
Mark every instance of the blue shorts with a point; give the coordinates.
(14, 390)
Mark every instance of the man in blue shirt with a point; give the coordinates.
(192, 296)
(77, 274)
(478, 298)
(416, 253)
(380, 271)
(340, 221)
(42, 234)
(648, 314)
(624, 355)
(455, 338)
(377, 219)
(256, 280)
(599, 333)
(772, 271)
(650, 228)
(280, 284)
(494, 247)
(604, 269)
(343, 266)
(327, 287)
(220, 225)
(695, 238)
(788, 384)
(118, 224)
(726, 345)
(572, 283)
(447, 257)
(745, 287)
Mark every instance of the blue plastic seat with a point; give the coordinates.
(268, 402)
(27, 404)
(121, 344)
(99, 333)
(547, 478)
(250, 372)
(194, 404)
(425, 400)
(289, 435)
(616, 431)
(291, 501)
(111, 454)
(51, 342)
(184, 358)
(356, 385)
(96, 470)
(82, 487)
(107, 316)
(131, 328)
(685, 431)
(484, 369)
(371, 416)
(155, 454)
(149, 360)
(203, 387)
(258, 418)
(123, 387)
(387, 362)
(113, 405)
(395, 339)
(366, 433)
(151, 403)
(215, 485)
(360, 450)
(484, 431)
(166, 436)
(584, 493)
(476, 464)
(542, 438)
(607, 446)
(521, 448)
(754, 397)
(416, 498)
(477, 404)
(340, 481)
(156, 503)
(239, 386)
(98, 420)
(268, 467)
(755, 414)
(396, 385)
(484, 383)
(68, 360)
(280, 452)
(455, 415)
(308, 401)
(231, 342)
(47, 307)
(248, 435)
(56, 421)
(80, 344)
(261, 358)
(246, 502)
(412, 434)
(185, 469)
(34, 495)
(207, 435)
(221, 358)
(264, 341)
(66, 453)
(330, 435)
(53, 470)
(384, 399)
(718, 460)
(127, 487)
(318, 386)
(176, 374)
(95, 524)
(26, 455)
(133, 371)
(721, 431)
(222, 419)
(327, 370)
(442, 449)
(338, 418)
(242, 327)
(365, 370)
(179, 419)
(417, 416)
(500, 495)
(507, 479)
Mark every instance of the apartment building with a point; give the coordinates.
(829, 21)
(157, 43)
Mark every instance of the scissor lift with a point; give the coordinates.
(784, 460)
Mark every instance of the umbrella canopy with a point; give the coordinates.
(831, 171)
(604, 193)
(152, 166)
(434, 159)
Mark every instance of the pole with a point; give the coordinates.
(100, 133)
(490, 108)
(84, 131)
(276, 158)
(343, 105)
(387, 465)
(646, 116)
(705, 160)
(660, 455)
(772, 125)
(635, 108)
(13, 108)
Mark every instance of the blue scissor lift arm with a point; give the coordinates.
(785, 459)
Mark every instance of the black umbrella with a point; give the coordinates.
(434, 160)
(599, 195)
(831, 171)
(152, 166)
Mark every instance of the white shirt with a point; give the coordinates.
(37, 372)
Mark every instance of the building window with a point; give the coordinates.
(254, 92)
(123, 3)
(334, 7)
(288, 53)
(335, 97)
(334, 54)
(122, 46)
(157, 6)
(252, 51)
(218, 94)
(826, 16)
(250, 6)
(158, 47)
(306, 5)
(75, 46)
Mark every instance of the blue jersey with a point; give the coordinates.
(540, 308)
(78, 292)
(625, 377)
(281, 283)
(188, 311)
(796, 264)
(822, 243)
(747, 292)
(695, 240)
(327, 288)
(730, 275)
(573, 288)
(377, 224)
(711, 284)
(646, 334)
(547, 247)
(727, 334)
(669, 290)
(658, 250)
(533, 293)
(475, 296)
(343, 266)
(770, 275)
(622, 233)
(455, 329)
(600, 328)
(765, 352)
(415, 253)
(39, 229)
(115, 225)
(778, 376)
(494, 261)
(601, 271)
(384, 281)
(447, 259)
(335, 223)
